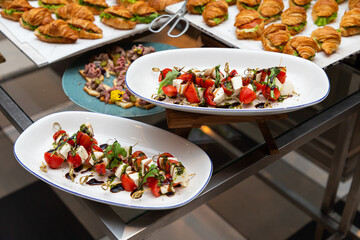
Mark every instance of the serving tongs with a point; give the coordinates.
(179, 15)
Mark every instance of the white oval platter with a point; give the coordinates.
(31, 145)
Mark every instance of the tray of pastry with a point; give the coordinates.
(58, 36)
(223, 29)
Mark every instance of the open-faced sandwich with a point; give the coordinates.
(52, 5)
(57, 31)
(143, 12)
(95, 6)
(86, 29)
(35, 17)
(74, 10)
(16, 9)
(118, 17)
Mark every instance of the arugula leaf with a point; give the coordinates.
(168, 80)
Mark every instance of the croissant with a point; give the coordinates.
(160, 5)
(74, 10)
(327, 38)
(295, 19)
(52, 5)
(271, 10)
(57, 31)
(248, 24)
(118, 17)
(16, 9)
(300, 3)
(215, 12)
(274, 37)
(5, 3)
(324, 12)
(350, 23)
(354, 4)
(125, 3)
(35, 17)
(143, 12)
(86, 29)
(196, 6)
(301, 46)
(95, 6)
(248, 4)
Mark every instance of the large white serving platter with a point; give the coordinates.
(309, 80)
(225, 33)
(30, 147)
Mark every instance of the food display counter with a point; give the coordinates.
(123, 223)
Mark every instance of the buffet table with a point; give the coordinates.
(120, 223)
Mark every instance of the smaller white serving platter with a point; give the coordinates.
(310, 81)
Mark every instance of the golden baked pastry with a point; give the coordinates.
(324, 12)
(74, 10)
(271, 10)
(295, 19)
(327, 38)
(354, 4)
(248, 24)
(215, 12)
(5, 3)
(274, 37)
(118, 17)
(95, 6)
(301, 46)
(35, 17)
(300, 3)
(143, 12)
(86, 29)
(16, 9)
(248, 4)
(196, 6)
(125, 3)
(57, 31)
(350, 23)
(160, 5)
(52, 5)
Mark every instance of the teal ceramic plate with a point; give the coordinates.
(73, 84)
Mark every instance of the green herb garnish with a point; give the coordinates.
(322, 21)
(168, 80)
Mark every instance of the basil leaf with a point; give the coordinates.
(153, 171)
(217, 76)
(114, 163)
(168, 80)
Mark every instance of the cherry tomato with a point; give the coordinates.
(246, 81)
(154, 186)
(53, 160)
(204, 82)
(281, 76)
(137, 162)
(247, 95)
(209, 97)
(75, 160)
(57, 134)
(227, 86)
(233, 73)
(163, 73)
(127, 183)
(189, 77)
(138, 154)
(170, 91)
(266, 91)
(97, 148)
(71, 142)
(84, 140)
(258, 86)
(191, 94)
(100, 168)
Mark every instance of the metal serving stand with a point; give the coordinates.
(120, 223)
